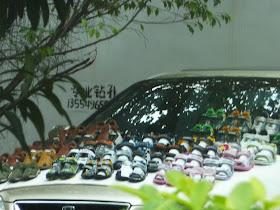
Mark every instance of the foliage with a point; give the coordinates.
(196, 195)
(42, 45)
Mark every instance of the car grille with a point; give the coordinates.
(69, 205)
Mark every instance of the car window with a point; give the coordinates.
(176, 105)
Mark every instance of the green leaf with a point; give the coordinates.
(36, 118)
(273, 203)
(45, 11)
(16, 128)
(3, 16)
(84, 22)
(136, 192)
(142, 27)
(151, 192)
(219, 201)
(157, 12)
(101, 25)
(116, 31)
(200, 26)
(61, 10)
(48, 94)
(29, 68)
(199, 194)
(24, 89)
(241, 197)
(180, 181)
(91, 32)
(190, 28)
(149, 11)
(259, 193)
(33, 12)
(50, 50)
(97, 34)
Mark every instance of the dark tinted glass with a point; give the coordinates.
(176, 105)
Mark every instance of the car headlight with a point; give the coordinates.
(1, 203)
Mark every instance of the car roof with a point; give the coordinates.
(222, 72)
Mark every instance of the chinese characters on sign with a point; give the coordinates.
(96, 97)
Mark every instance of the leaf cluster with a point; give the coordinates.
(196, 195)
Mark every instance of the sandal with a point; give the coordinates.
(244, 161)
(31, 171)
(70, 168)
(5, 172)
(17, 173)
(55, 170)
(209, 174)
(153, 164)
(196, 173)
(121, 156)
(160, 177)
(90, 169)
(225, 169)
(266, 154)
(139, 167)
(104, 170)
(46, 159)
(125, 171)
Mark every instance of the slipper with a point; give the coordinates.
(225, 169)
(5, 172)
(160, 177)
(244, 161)
(17, 173)
(266, 154)
(55, 170)
(31, 171)
(104, 169)
(90, 169)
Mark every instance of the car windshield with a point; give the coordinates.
(177, 105)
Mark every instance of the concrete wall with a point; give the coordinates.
(250, 40)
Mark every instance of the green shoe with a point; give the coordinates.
(55, 170)
(17, 173)
(31, 171)
(5, 172)
(70, 168)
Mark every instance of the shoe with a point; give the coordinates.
(55, 170)
(46, 159)
(70, 168)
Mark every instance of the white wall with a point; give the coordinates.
(250, 40)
